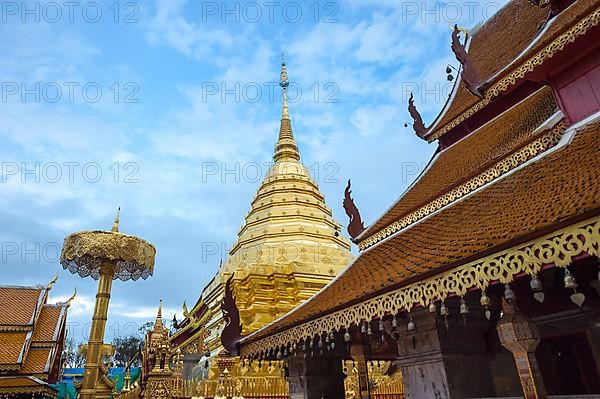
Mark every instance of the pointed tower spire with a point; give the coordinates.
(158, 323)
(115, 228)
(286, 148)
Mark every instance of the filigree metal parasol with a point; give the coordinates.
(105, 256)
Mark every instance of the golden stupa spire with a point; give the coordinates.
(286, 148)
(115, 228)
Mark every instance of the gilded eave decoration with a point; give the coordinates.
(43, 391)
(519, 73)
(519, 157)
(558, 248)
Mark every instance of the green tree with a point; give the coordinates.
(71, 356)
(126, 349)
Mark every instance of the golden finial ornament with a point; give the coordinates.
(51, 283)
(284, 83)
(70, 300)
(286, 148)
(115, 228)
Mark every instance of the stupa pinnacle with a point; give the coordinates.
(286, 148)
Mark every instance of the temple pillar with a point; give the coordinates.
(190, 361)
(359, 355)
(315, 377)
(520, 336)
(445, 362)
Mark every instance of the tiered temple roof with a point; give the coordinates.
(509, 168)
(32, 333)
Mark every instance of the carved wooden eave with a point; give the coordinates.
(469, 73)
(557, 249)
(355, 225)
(540, 3)
(418, 124)
(522, 67)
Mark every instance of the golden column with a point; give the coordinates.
(105, 256)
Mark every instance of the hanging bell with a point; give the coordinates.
(537, 288)
(444, 310)
(369, 331)
(569, 280)
(432, 307)
(279, 355)
(363, 328)
(331, 336)
(320, 343)
(381, 328)
(464, 309)
(332, 345)
(485, 300)
(304, 347)
(347, 337)
(536, 284)
(394, 322)
(411, 325)
(509, 294)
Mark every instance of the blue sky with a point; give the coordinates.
(168, 109)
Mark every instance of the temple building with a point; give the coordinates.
(32, 337)
(288, 248)
(483, 279)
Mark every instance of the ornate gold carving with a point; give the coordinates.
(381, 380)
(557, 248)
(537, 59)
(84, 252)
(232, 377)
(517, 158)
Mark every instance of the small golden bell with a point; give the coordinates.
(485, 300)
(464, 309)
(444, 310)
(570, 280)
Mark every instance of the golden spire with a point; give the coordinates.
(284, 83)
(115, 228)
(158, 322)
(286, 148)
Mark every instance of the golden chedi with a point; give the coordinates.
(288, 248)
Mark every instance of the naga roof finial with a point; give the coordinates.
(418, 124)
(356, 226)
(51, 283)
(232, 332)
(469, 73)
(70, 300)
